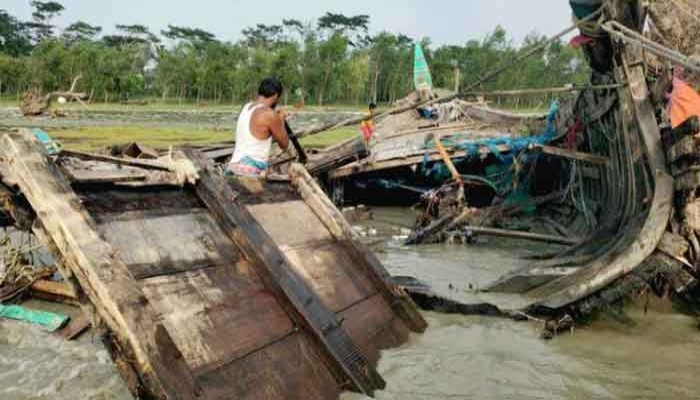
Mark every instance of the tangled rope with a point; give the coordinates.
(14, 266)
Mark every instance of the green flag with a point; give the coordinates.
(421, 71)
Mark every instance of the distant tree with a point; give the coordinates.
(355, 28)
(80, 30)
(14, 37)
(129, 35)
(263, 35)
(42, 15)
(192, 35)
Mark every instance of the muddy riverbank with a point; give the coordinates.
(194, 119)
(655, 355)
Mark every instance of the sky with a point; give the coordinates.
(445, 22)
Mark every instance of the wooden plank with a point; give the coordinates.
(687, 147)
(573, 155)
(101, 273)
(57, 292)
(153, 165)
(278, 218)
(373, 326)
(330, 272)
(116, 176)
(368, 263)
(691, 215)
(366, 166)
(341, 354)
(538, 237)
(217, 315)
(261, 375)
(76, 327)
(153, 245)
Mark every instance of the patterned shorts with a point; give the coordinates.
(247, 167)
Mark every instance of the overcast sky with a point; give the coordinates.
(446, 21)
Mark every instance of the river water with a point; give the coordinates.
(657, 356)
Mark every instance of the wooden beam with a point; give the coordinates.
(54, 292)
(537, 237)
(99, 269)
(564, 89)
(365, 167)
(572, 155)
(343, 356)
(153, 165)
(75, 327)
(447, 159)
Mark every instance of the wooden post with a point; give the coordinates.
(99, 269)
(278, 274)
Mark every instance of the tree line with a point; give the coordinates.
(333, 59)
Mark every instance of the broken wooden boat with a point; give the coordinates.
(614, 175)
(628, 200)
(404, 160)
(213, 289)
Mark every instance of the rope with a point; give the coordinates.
(627, 35)
(485, 78)
(12, 265)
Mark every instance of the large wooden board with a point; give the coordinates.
(153, 244)
(261, 375)
(291, 223)
(330, 272)
(217, 315)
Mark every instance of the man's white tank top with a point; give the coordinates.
(247, 144)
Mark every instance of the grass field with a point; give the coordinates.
(187, 106)
(96, 138)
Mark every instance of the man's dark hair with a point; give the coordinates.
(372, 106)
(270, 87)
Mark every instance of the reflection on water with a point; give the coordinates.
(457, 358)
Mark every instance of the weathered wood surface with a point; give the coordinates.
(99, 269)
(537, 237)
(605, 270)
(365, 259)
(641, 198)
(341, 353)
(149, 165)
(154, 245)
(197, 300)
(573, 155)
(225, 317)
(75, 327)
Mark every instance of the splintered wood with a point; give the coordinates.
(203, 297)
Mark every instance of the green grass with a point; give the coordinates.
(97, 138)
(159, 105)
(330, 138)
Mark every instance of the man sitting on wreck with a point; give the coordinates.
(258, 124)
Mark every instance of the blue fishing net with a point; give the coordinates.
(501, 175)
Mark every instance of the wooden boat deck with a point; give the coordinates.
(219, 290)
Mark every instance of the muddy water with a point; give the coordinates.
(459, 357)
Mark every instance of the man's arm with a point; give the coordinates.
(277, 129)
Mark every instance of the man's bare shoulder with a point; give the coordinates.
(264, 113)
